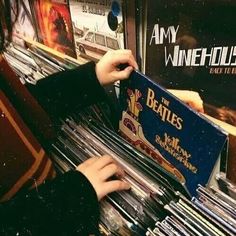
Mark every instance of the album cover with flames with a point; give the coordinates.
(54, 26)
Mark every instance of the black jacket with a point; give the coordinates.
(67, 205)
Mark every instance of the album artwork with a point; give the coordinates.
(54, 25)
(22, 22)
(98, 27)
(180, 139)
(190, 45)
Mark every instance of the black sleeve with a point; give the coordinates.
(62, 92)
(66, 206)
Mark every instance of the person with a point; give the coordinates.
(67, 204)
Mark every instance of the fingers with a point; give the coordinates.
(87, 163)
(90, 161)
(103, 161)
(110, 170)
(99, 162)
(105, 164)
(122, 57)
(123, 74)
(98, 170)
(107, 68)
(115, 185)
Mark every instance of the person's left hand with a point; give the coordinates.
(99, 170)
(107, 70)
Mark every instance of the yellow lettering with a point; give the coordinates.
(179, 123)
(156, 106)
(164, 112)
(150, 98)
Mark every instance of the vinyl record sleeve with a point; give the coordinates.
(98, 27)
(156, 121)
(22, 22)
(178, 226)
(213, 217)
(54, 25)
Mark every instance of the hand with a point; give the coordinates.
(191, 98)
(98, 170)
(107, 68)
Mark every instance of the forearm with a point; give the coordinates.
(61, 93)
(66, 205)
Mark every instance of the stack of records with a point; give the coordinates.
(227, 186)
(212, 212)
(33, 64)
(127, 212)
(157, 203)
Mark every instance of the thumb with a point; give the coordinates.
(123, 74)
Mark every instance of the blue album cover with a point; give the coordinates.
(190, 45)
(180, 139)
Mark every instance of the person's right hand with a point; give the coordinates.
(98, 170)
(107, 69)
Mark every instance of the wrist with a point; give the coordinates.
(99, 73)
